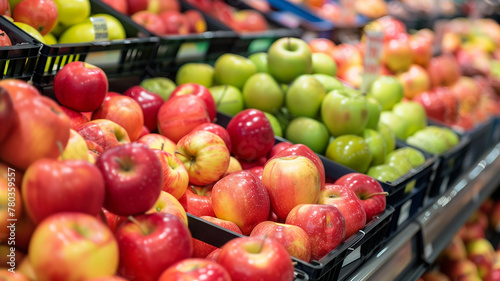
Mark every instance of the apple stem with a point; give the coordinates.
(375, 194)
(162, 146)
(188, 157)
(262, 243)
(136, 222)
(122, 164)
(61, 148)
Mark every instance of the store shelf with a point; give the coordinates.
(416, 247)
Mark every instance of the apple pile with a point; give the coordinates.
(241, 21)
(88, 171)
(449, 97)
(334, 12)
(470, 256)
(63, 21)
(162, 17)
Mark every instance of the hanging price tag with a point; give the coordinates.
(100, 29)
(373, 57)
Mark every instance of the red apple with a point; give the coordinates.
(324, 224)
(249, 21)
(258, 171)
(52, 186)
(197, 23)
(105, 133)
(81, 86)
(119, 5)
(455, 250)
(481, 253)
(234, 166)
(198, 201)
(458, 269)
(205, 156)
(216, 129)
(154, 6)
(213, 256)
(151, 21)
(19, 89)
(157, 141)
(304, 150)
(6, 113)
(422, 49)
(346, 55)
(180, 115)
(415, 81)
(293, 238)
(125, 112)
(391, 27)
(167, 203)
(149, 102)
(251, 135)
(199, 91)
(439, 104)
(202, 249)
(133, 178)
(443, 70)
(346, 201)
(368, 190)
(26, 142)
(73, 246)
(5, 274)
(241, 198)
(278, 147)
(256, 258)
(247, 165)
(397, 54)
(75, 117)
(290, 181)
(468, 93)
(175, 176)
(144, 241)
(175, 22)
(322, 45)
(144, 131)
(195, 269)
(39, 14)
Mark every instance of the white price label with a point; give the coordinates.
(404, 214)
(373, 58)
(354, 255)
(100, 29)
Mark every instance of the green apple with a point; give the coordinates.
(159, 85)
(400, 162)
(374, 110)
(58, 29)
(397, 124)
(310, 132)
(288, 58)
(432, 142)
(329, 83)
(413, 113)
(50, 39)
(384, 173)
(304, 96)
(351, 151)
(275, 124)
(31, 31)
(376, 144)
(234, 70)
(387, 90)
(262, 92)
(228, 99)
(323, 64)
(415, 157)
(70, 12)
(388, 135)
(116, 31)
(344, 112)
(260, 61)
(199, 73)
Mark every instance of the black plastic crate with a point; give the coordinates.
(480, 143)
(118, 58)
(363, 244)
(372, 242)
(19, 60)
(494, 137)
